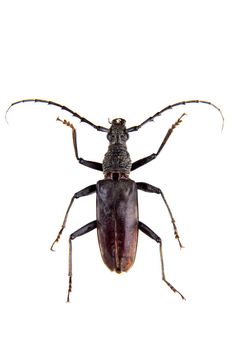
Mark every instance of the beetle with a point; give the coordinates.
(117, 221)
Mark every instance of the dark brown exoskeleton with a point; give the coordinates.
(117, 220)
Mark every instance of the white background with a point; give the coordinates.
(109, 59)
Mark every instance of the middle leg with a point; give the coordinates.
(152, 189)
(84, 192)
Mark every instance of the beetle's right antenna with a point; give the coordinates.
(137, 127)
(74, 114)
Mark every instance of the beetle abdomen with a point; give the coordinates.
(117, 222)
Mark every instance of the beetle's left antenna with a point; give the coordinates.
(137, 127)
(74, 114)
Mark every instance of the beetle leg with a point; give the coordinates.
(84, 192)
(88, 163)
(152, 189)
(145, 229)
(151, 157)
(87, 228)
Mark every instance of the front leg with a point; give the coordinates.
(88, 163)
(151, 157)
(143, 186)
(84, 192)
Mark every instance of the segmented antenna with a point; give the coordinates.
(74, 114)
(101, 128)
(135, 128)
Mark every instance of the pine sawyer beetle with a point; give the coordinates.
(117, 220)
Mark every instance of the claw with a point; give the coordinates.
(178, 238)
(174, 289)
(51, 248)
(57, 239)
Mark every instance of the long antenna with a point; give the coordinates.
(74, 114)
(135, 128)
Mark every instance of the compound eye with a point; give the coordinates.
(124, 137)
(111, 137)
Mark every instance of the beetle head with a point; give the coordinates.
(117, 133)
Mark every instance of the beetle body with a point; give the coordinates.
(117, 203)
(117, 222)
